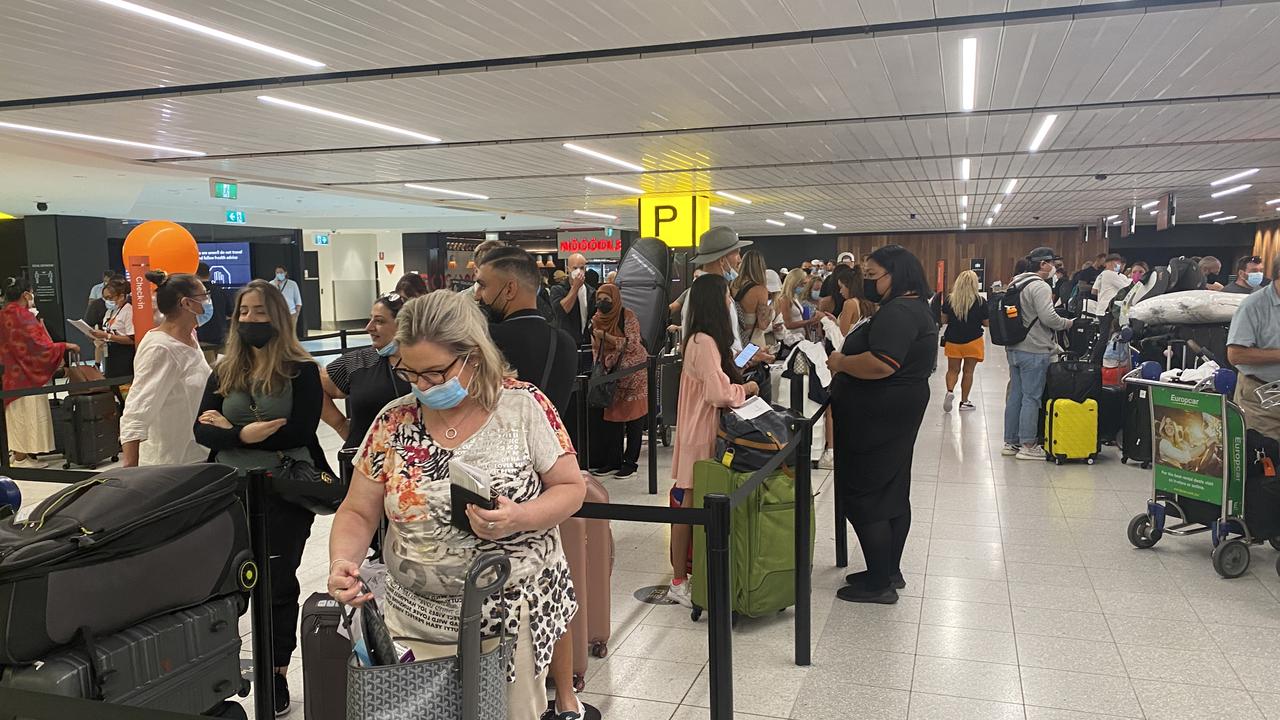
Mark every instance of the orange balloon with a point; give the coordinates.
(169, 246)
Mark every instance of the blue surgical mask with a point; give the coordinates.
(280, 277)
(206, 312)
(111, 304)
(444, 396)
(816, 294)
(730, 275)
(388, 350)
(1254, 279)
(1117, 267)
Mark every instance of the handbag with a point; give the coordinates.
(301, 483)
(77, 373)
(470, 685)
(600, 394)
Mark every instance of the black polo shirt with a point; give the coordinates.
(525, 338)
(902, 335)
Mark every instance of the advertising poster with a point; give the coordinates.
(229, 263)
(1188, 445)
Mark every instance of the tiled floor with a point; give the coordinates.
(1024, 600)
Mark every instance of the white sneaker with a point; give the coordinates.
(828, 460)
(948, 401)
(1010, 450)
(1035, 452)
(680, 594)
(30, 463)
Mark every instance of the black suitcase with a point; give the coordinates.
(1135, 436)
(1082, 336)
(111, 551)
(86, 428)
(1110, 414)
(324, 659)
(1073, 380)
(187, 662)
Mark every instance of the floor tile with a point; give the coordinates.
(967, 644)
(1268, 703)
(615, 707)
(1059, 653)
(1061, 623)
(866, 667)
(1258, 642)
(1155, 632)
(831, 698)
(1187, 667)
(1256, 673)
(1053, 597)
(643, 678)
(942, 707)
(957, 613)
(1171, 700)
(967, 678)
(1170, 607)
(1080, 691)
(967, 589)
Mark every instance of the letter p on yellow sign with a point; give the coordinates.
(677, 219)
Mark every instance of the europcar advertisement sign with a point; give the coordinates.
(1192, 441)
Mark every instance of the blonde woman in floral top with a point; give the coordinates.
(465, 406)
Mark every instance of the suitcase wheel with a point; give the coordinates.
(599, 649)
(66, 465)
(1058, 461)
(695, 614)
(1146, 466)
(1090, 460)
(1124, 460)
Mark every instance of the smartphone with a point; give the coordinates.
(747, 353)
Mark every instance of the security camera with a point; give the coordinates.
(913, 216)
(1100, 176)
(502, 217)
(42, 205)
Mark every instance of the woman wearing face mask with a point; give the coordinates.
(169, 376)
(1110, 281)
(789, 309)
(878, 400)
(116, 336)
(464, 406)
(1138, 271)
(30, 358)
(749, 292)
(262, 403)
(616, 344)
(364, 375)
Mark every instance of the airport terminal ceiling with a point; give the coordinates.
(473, 116)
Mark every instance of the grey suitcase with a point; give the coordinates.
(86, 429)
(188, 661)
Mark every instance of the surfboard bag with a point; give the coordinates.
(642, 279)
(116, 549)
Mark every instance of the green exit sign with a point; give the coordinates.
(236, 217)
(221, 189)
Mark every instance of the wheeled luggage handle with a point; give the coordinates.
(473, 597)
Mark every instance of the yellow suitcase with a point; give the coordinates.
(1071, 430)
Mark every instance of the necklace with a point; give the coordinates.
(451, 431)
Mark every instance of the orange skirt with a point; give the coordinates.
(975, 349)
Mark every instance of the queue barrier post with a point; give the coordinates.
(583, 441)
(719, 606)
(264, 693)
(4, 431)
(651, 372)
(803, 560)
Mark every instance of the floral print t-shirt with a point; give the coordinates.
(428, 558)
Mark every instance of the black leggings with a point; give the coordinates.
(287, 532)
(882, 543)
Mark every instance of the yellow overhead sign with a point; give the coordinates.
(677, 219)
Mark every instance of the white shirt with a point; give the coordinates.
(582, 305)
(1109, 283)
(168, 383)
(292, 296)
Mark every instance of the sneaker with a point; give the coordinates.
(854, 593)
(1010, 450)
(966, 405)
(601, 472)
(575, 714)
(30, 463)
(948, 401)
(282, 695)
(1034, 452)
(858, 578)
(828, 460)
(680, 594)
(627, 471)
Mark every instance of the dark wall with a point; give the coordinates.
(790, 250)
(13, 247)
(430, 253)
(1227, 242)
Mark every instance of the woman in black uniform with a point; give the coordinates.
(364, 375)
(879, 394)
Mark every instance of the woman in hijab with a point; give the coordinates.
(616, 344)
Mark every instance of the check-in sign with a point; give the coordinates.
(678, 220)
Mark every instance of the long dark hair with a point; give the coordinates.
(709, 314)
(906, 271)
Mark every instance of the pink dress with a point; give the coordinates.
(704, 391)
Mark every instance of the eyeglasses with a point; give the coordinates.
(433, 377)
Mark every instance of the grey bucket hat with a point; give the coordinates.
(716, 243)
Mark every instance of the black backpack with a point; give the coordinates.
(1005, 314)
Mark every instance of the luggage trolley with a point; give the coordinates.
(1203, 484)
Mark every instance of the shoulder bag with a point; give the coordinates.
(600, 394)
(301, 483)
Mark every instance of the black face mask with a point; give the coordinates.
(869, 290)
(605, 306)
(257, 334)
(491, 312)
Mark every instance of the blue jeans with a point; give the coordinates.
(1027, 373)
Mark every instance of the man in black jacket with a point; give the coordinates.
(213, 334)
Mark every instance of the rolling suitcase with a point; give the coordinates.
(324, 659)
(588, 547)
(761, 542)
(1135, 436)
(1071, 430)
(86, 429)
(187, 662)
(122, 546)
(1074, 380)
(1110, 414)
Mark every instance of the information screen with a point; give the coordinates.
(229, 263)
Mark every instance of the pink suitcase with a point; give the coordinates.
(588, 546)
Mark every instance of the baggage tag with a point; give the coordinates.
(727, 459)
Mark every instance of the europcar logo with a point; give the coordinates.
(1180, 400)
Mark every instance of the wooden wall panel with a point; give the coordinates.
(1000, 248)
(1266, 243)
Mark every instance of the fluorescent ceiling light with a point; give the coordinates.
(602, 156)
(964, 217)
(964, 169)
(1113, 217)
(811, 231)
(588, 213)
(1231, 191)
(829, 226)
(771, 221)
(722, 211)
(348, 118)
(1225, 218)
(1148, 205)
(99, 138)
(1118, 222)
(211, 32)
(1274, 202)
(995, 209)
(1155, 212)
(735, 198)
(1042, 133)
(964, 201)
(968, 71)
(1008, 187)
(443, 191)
(794, 216)
(614, 185)
(1209, 215)
(1229, 178)
(990, 220)
(964, 226)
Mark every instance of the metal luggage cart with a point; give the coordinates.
(1203, 489)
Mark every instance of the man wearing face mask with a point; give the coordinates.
(574, 302)
(213, 334)
(1029, 360)
(1110, 281)
(720, 253)
(1253, 346)
(1211, 268)
(1248, 276)
(292, 295)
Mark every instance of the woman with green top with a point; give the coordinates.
(262, 403)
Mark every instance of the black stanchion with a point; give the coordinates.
(583, 440)
(719, 606)
(264, 694)
(652, 379)
(842, 529)
(803, 561)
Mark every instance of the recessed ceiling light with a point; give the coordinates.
(1008, 187)
(211, 32)
(1215, 213)
(964, 226)
(829, 226)
(444, 191)
(1231, 191)
(1043, 132)
(964, 201)
(1274, 202)
(990, 220)
(735, 198)
(995, 209)
(964, 169)
(968, 71)
(1225, 218)
(1151, 204)
(771, 221)
(811, 231)
(964, 217)
(722, 211)
(99, 138)
(348, 118)
(588, 213)
(614, 185)
(1237, 176)
(794, 216)
(1113, 217)
(602, 156)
